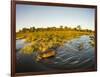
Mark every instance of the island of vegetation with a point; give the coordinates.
(46, 40)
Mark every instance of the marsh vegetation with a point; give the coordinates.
(55, 47)
(43, 39)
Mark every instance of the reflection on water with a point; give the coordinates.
(77, 53)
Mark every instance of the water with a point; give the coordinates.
(20, 43)
(69, 56)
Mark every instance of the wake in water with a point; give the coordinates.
(77, 53)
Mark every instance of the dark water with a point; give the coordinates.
(69, 56)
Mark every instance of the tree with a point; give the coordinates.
(78, 27)
(61, 27)
(32, 29)
(75, 28)
(66, 27)
(25, 30)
